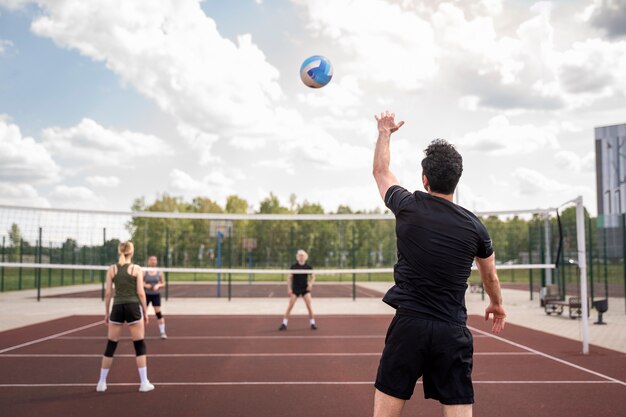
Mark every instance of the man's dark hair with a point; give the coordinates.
(443, 166)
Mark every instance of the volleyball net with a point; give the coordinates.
(43, 247)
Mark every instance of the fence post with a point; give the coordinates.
(19, 281)
(623, 254)
(167, 262)
(606, 267)
(530, 260)
(353, 263)
(38, 275)
(103, 261)
(219, 263)
(50, 261)
(2, 269)
(230, 259)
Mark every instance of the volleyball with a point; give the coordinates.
(316, 71)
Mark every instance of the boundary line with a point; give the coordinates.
(229, 355)
(379, 336)
(235, 383)
(43, 339)
(548, 356)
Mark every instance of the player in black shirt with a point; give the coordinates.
(298, 285)
(437, 243)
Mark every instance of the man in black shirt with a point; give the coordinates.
(437, 243)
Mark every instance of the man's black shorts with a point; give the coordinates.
(155, 299)
(440, 352)
(130, 313)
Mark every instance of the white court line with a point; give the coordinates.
(545, 355)
(378, 336)
(221, 355)
(43, 339)
(239, 383)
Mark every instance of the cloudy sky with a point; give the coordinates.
(103, 101)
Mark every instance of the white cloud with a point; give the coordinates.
(21, 195)
(500, 137)
(4, 44)
(282, 164)
(23, 158)
(339, 98)
(384, 42)
(103, 181)
(216, 185)
(573, 162)
(171, 52)
(531, 182)
(75, 197)
(89, 144)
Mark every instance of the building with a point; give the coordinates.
(611, 173)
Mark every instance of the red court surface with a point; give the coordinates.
(230, 366)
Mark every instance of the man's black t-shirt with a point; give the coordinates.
(300, 281)
(437, 241)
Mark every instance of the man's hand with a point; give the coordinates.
(387, 124)
(499, 317)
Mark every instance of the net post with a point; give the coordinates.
(38, 275)
(548, 256)
(230, 260)
(167, 262)
(582, 265)
(63, 261)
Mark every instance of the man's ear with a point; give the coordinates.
(425, 182)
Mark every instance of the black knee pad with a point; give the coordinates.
(159, 315)
(110, 350)
(140, 347)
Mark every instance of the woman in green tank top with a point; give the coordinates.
(129, 305)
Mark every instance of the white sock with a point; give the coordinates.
(285, 321)
(103, 374)
(162, 328)
(143, 374)
(312, 321)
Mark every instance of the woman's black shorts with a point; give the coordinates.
(130, 313)
(155, 299)
(300, 292)
(439, 352)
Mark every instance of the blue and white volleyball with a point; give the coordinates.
(316, 71)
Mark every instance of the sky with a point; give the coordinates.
(105, 101)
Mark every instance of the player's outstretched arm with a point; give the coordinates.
(491, 283)
(382, 174)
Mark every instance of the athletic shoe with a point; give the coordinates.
(282, 327)
(163, 335)
(146, 387)
(313, 327)
(101, 387)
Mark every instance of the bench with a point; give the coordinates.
(574, 305)
(475, 287)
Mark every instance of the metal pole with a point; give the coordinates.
(542, 256)
(219, 262)
(230, 260)
(19, 281)
(590, 246)
(623, 254)
(582, 265)
(103, 261)
(353, 263)
(530, 260)
(167, 262)
(606, 267)
(548, 256)
(49, 261)
(2, 269)
(38, 275)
